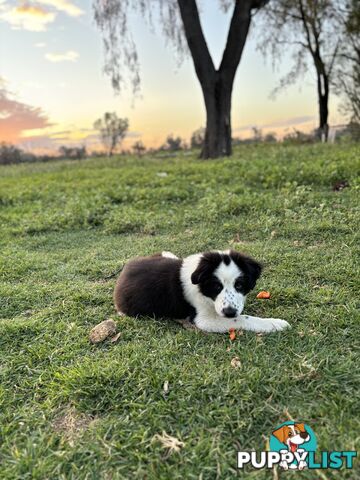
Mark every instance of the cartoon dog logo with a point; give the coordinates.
(293, 436)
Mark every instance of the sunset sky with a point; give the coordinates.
(52, 87)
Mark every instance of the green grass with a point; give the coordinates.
(71, 410)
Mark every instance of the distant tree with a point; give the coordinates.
(197, 138)
(10, 154)
(75, 153)
(81, 152)
(270, 138)
(112, 130)
(180, 20)
(125, 152)
(347, 82)
(350, 132)
(310, 30)
(98, 154)
(173, 144)
(298, 138)
(64, 151)
(139, 148)
(257, 135)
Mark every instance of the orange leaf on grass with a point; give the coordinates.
(232, 334)
(263, 294)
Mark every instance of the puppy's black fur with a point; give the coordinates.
(151, 286)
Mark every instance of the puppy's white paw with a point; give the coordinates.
(276, 324)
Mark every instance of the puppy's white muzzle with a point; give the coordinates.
(229, 305)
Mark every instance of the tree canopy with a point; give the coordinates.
(312, 32)
(113, 17)
(347, 81)
(112, 130)
(181, 26)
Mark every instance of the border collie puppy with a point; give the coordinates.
(208, 288)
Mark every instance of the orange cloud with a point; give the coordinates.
(63, 6)
(17, 117)
(28, 17)
(30, 10)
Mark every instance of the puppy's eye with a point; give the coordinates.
(217, 287)
(239, 285)
(290, 434)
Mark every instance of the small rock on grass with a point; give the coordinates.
(102, 331)
(235, 362)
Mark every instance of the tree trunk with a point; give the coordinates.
(313, 31)
(323, 97)
(217, 84)
(217, 141)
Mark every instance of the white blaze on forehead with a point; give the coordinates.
(229, 296)
(227, 274)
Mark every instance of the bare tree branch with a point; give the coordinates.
(306, 28)
(203, 63)
(239, 27)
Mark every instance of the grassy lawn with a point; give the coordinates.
(71, 410)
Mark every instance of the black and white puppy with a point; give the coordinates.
(208, 288)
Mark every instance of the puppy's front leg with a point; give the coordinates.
(215, 323)
(258, 325)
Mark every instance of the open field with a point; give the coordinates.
(71, 410)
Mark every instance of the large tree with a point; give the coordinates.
(347, 81)
(311, 31)
(180, 20)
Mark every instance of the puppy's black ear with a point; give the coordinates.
(208, 263)
(201, 271)
(198, 274)
(251, 268)
(254, 269)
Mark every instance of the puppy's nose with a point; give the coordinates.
(304, 435)
(229, 312)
